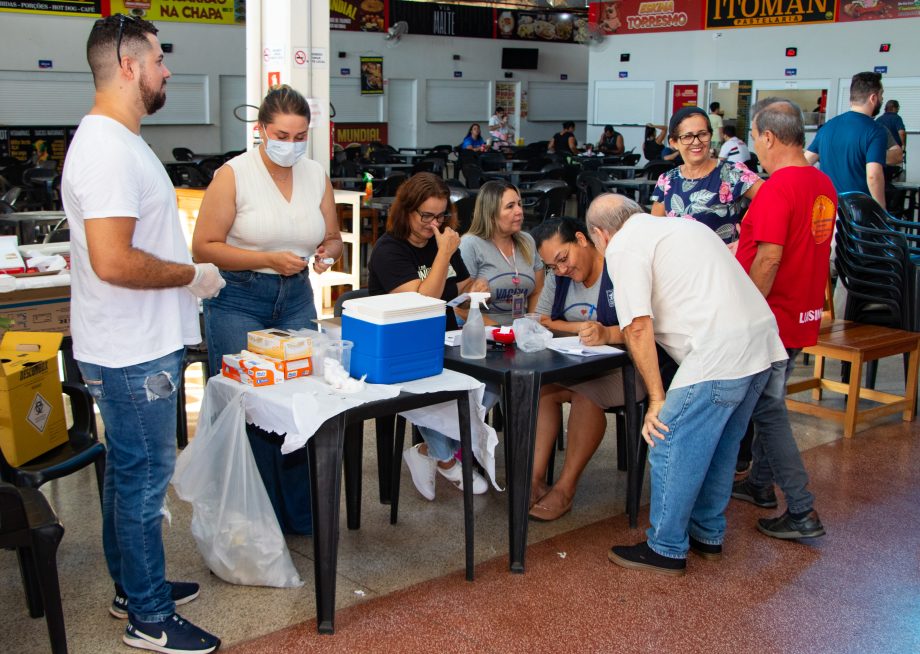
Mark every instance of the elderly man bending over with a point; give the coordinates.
(676, 283)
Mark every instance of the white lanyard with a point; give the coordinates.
(512, 263)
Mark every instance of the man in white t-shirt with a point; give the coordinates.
(675, 283)
(734, 149)
(134, 309)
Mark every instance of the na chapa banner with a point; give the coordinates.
(94, 8)
(213, 12)
(371, 75)
(721, 14)
(642, 16)
(852, 10)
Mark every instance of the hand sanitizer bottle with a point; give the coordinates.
(473, 338)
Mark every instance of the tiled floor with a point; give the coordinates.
(401, 588)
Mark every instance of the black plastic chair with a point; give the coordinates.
(81, 449)
(492, 161)
(183, 154)
(464, 206)
(347, 295)
(557, 192)
(29, 525)
(589, 185)
(472, 173)
(654, 169)
(209, 165)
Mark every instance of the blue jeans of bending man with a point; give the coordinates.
(693, 467)
(249, 302)
(138, 407)
(776, 456)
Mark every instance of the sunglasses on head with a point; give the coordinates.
(122, 20)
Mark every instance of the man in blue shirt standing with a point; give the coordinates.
(852, 146)
(893, 122)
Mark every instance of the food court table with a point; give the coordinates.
(521, 374)
(294, 408)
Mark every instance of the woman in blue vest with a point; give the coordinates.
(577, 298)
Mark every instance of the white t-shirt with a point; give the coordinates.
(707, 313)
(111, 172)
(735, 150)
(265, 221)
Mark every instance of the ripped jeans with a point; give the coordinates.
(138, 407)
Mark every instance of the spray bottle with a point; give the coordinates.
(368, 188)
(473, 337)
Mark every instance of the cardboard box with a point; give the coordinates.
(253, 371)
(279, 344)
(38, 309)
(31, 404)
(292, 369)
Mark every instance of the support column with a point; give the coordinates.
(287, 42)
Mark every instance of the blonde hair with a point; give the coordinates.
(488, 206)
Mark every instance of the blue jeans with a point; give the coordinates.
(693, 467)
(775, 454)
(443, 448)
(251, 301)
(138, 406)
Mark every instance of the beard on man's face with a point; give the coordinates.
(153, 99)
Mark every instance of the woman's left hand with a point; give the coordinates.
(318, 265)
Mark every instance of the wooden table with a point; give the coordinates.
(520, 376)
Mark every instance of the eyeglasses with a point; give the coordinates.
(428, 217)
(702, 137)
(562, 259)
(122, 19)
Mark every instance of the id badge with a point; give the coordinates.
(518, 306)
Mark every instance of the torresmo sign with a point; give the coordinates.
(721, 14)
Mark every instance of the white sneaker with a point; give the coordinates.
(454, 475)
(421, 467)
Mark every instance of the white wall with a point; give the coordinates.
(214, 50)
(825, 51)
(430, 57)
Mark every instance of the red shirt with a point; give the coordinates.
(796, 208)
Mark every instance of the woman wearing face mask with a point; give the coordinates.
(265, 214)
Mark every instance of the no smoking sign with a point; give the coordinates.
(300, 57)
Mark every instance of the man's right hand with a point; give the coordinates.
(207, 281)
(448, 241)
(652, 426)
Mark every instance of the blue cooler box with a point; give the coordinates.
(397, 337)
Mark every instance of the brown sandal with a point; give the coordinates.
(550, 508)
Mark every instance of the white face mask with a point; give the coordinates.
(285, 153)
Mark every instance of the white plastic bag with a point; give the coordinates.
(531, 336)
(233, 522)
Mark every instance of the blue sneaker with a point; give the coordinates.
(183, 592)
(174, 635)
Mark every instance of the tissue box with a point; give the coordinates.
(397, 337)
(253, 371)
(31, 406)
(280, 344)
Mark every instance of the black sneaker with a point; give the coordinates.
(741, 466)
(642, 557)
(787, 527)
(183, 592)
(705, 550)
(172, 636)
(743, 490)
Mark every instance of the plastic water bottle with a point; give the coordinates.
(473, 337)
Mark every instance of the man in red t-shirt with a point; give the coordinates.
(785, 248)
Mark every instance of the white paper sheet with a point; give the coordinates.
(573, 345)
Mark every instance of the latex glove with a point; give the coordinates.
(207, 281)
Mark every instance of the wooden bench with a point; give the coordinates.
(849, 341)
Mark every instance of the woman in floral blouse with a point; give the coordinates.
(702, 188)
